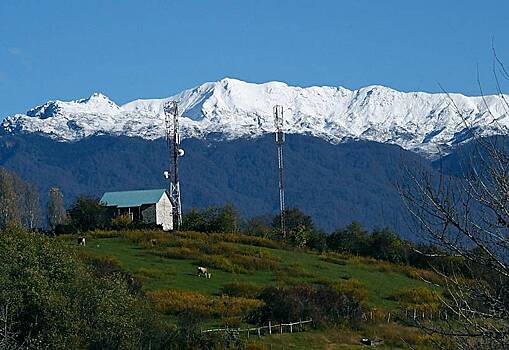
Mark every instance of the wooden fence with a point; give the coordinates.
(264, 330)
(406, 315)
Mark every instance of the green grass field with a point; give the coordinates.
(181, 273)
(159, 273)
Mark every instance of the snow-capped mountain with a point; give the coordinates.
(417, 121)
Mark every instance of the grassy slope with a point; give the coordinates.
(181, 274)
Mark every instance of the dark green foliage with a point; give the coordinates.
(324, 304)
(214, 219)
(260, 226)
(88, 214)
(353, 239)
(299, 227)
(385, 245)
(350, 181)
(380, 244)
(318, 240)
(56, 301)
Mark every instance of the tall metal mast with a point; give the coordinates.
(174, 150)
(280, 140)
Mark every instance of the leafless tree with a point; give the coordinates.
(31, 207)
(56, 210)
(10, 212)
(467, 216)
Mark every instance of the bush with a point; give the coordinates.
(87, 214)
(121, 222)
(180, 253)
(175, 302)
(57, 301)
(416, 296)
(221, 263)
(103, 234)
(324, 304)
(213, 219)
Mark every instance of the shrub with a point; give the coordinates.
(88, 214)
(57, 300)
(244, 239)
(180, 253)
(221, 263)
(355, 289)
(261, 262)
(324, 304)
(103, 234)
(296, 270)
(175, 302)
(416, 296)
(144, 273)
(121, 222)
(104, 264)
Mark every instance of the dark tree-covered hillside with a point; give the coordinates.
(335, 184)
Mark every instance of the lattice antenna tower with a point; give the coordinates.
(280, 140)
(175, 152)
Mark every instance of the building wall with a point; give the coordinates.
(149, 214)
(164, 213)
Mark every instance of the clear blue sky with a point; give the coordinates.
(140, 49)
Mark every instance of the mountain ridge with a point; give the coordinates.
(421, 122)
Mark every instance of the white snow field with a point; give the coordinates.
(422, 122)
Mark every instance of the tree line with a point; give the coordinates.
(20, 206)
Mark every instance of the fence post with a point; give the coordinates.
(415, 314)
(259, 335)
(291, 327)
(281, 327)
(389, 318)
(270, 327)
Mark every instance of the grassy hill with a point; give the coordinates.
(241, 266)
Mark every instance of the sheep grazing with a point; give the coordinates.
(203, 272)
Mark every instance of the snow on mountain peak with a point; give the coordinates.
(234, 108)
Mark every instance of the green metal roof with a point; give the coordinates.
(125, 199)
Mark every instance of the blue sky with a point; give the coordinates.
(140, 49)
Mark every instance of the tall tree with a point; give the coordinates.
(299, 226)
(31, 207)
(56, 210)
(88, 214)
